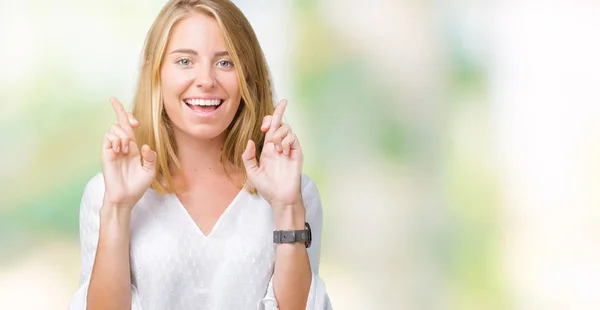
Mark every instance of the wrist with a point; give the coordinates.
(115, 224)
(115, 215)
(289, 216)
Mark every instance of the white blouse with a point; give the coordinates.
(175, 266)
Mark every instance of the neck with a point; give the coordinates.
(200, 159)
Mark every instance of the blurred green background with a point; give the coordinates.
(454, 143)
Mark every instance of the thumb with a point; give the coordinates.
(132, 120)
(148, 158)
(249, 157)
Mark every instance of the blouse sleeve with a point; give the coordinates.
(89, 225)
(317, 296)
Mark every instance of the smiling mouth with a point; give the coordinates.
(203, 105)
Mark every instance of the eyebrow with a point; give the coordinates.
(194, 52)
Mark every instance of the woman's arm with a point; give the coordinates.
(95, 247)
(127, 172)
(110, 283)
(292, 275)
(294, 200)
(285, 291)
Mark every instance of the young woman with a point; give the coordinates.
(201, 203)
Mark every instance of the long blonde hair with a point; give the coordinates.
(253, 78)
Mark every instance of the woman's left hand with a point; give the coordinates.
(278, 175)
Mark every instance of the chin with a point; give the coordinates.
(206, 132)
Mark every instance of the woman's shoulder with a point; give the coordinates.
(311, 197)
(95, 183)
(308, 185)
(93, 191)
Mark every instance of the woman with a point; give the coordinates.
(213, 211)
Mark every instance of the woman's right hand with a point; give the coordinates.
(128, 173)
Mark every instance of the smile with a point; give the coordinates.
(203, 106)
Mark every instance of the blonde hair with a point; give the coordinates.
(253, 79)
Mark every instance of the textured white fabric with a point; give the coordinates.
(175, 266)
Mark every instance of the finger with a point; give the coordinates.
(112, 141)
(119, 131)
(249, 157)
(290, 143)
(276, 119)
(266, 123)
(122, 117)
(109, 137)
(148, 158)
(279, 135)
(132, 120)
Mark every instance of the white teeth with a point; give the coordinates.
(203, 102)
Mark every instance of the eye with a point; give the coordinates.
(184, 62)
(225, 63)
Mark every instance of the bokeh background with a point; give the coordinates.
(455, 143)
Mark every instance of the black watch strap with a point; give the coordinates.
(293, 236)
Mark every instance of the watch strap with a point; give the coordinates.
(294, 236)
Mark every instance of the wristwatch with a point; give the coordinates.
(293, 236)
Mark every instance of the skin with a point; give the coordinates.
(195, 66)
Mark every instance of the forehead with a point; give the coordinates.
(197, 31)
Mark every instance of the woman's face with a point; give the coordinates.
(199, 83)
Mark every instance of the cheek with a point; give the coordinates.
(175, 82)
(229, 82)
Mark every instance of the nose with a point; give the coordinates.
(205, 76)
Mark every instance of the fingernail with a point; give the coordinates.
(117, 149)
(126, 149)
(278, 148)
(286, 152)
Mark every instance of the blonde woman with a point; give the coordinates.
(201, 203)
